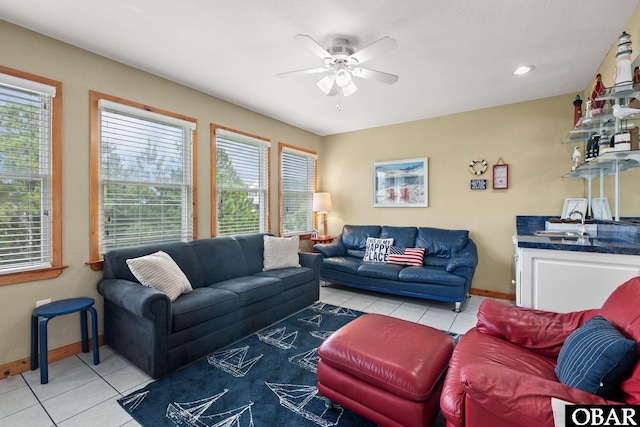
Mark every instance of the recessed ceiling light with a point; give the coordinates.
(524, 69)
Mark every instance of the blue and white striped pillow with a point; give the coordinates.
(596, 358)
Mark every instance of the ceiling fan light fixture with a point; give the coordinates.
(326, 84)
(349, 89)
(343, 78)
(523, 69)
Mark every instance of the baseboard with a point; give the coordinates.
(23, 365)
(493, 294)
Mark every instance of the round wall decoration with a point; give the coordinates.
(478, 166)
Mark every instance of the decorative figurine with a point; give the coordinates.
(575, 158)
(577, 110)
(597, 107)
(624, 80)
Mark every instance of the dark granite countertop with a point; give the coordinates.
(612, 237)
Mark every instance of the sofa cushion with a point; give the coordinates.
(252, 289)
(377, 249)
(430, 275)
(281, 252)
(159, 271)
(346, 264)
(441, 243)
(252, 245)
(596, 358)
(115, 265)
(406, 256)
(382, 271)
(404, 237)
(220, 259)
(201, 305)
(291, 277)
(355, 236)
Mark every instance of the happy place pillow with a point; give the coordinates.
(159, 271)
(596, 358)
(377, 249)
(281, 252)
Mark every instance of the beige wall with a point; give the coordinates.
(527, 136)
(80, 71)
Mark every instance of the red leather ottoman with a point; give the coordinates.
(388, 370)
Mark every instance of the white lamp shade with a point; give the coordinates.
(322, 202)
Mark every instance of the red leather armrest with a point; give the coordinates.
(524, 399)
(541, 331)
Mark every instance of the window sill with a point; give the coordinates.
(95, 265)
(31, 275)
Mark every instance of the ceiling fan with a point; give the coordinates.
(342, 63)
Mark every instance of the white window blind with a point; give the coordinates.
(241, 183)
(145, 177)
(298, 171)
(25, 174)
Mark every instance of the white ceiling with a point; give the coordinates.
(452, 55)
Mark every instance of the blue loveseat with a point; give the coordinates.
(232, 297)
(449, 262)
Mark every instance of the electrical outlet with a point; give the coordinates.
(43, 302)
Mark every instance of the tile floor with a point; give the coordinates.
(81, 394)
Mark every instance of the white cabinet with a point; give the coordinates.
(565, 281)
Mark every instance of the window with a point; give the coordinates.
(30, 177)
(241, 183)
(141, 160)
(297, 183)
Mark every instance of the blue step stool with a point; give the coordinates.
(58, 308)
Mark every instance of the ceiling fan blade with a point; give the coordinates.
(378, 76)
(374, 49)
(302, 72)
(313, 46)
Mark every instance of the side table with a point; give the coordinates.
(58, 308)
(325, 239)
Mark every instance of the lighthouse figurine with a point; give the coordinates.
(624, 79)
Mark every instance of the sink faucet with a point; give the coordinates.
(582, 230)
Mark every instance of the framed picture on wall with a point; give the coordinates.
(401, 183)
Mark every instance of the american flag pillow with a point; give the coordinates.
(405, 256)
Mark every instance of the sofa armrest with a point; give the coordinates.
(467, 257)
(139, 300)
(524, 398)
(328, 250)
(311, 260)
(541, 331)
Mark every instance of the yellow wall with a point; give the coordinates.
(80, 71)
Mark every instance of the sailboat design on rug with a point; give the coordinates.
(312, 320)
(192, 414)
(323, 335)
(232, 361)
(305, 401)
(278, 337)
(132, 402)
(324, 308)
(307, 360)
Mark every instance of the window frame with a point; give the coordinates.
(214, 189)
(55, 218)
(281, 147)
(95, 257)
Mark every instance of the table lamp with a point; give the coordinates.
(322, 205)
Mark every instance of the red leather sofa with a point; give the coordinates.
(501, 372)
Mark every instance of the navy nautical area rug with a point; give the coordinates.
(265, 380)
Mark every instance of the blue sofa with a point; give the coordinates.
(231, 298)
(449, 262)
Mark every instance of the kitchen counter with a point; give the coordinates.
(612, 237)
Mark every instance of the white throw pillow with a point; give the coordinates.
(159, 271)
(281, 252)
(377, 249)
